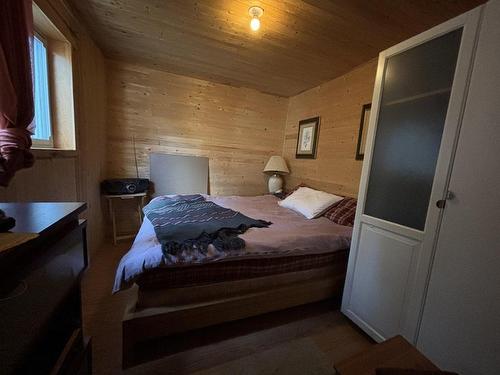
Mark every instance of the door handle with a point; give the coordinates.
(442, 202)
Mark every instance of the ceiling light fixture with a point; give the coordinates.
(256, 13)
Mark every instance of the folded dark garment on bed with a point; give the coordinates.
(400, 371)
(190, 223)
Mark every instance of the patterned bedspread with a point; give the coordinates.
(289, 235)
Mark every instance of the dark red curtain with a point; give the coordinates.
(16, 87)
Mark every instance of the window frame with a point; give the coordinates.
(44, 143)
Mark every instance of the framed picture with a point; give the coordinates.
(363, 127)
(307, 138)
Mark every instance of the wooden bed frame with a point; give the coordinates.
(139, 326)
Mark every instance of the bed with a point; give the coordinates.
(292, 262)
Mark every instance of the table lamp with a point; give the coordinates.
(277, 166)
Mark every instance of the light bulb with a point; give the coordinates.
(255, 24)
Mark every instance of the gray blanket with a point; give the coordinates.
(189, 223)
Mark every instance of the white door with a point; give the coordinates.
(416, 111)
(460, 328)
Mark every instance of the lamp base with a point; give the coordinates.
(275, 184)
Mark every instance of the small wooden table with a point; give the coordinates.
(395, 352)
(140, 203)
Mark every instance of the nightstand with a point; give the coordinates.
(140, 204)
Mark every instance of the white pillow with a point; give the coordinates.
(309, 202)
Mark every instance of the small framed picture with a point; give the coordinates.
(307, 139)
(363, 127)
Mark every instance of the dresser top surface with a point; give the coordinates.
(38, 217)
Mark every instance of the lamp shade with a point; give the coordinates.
(276, 164)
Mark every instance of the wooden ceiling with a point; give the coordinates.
(301, 43)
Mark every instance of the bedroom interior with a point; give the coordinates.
(319, 187)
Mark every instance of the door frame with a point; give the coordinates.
(414, 301)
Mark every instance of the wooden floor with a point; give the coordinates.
(303, 340)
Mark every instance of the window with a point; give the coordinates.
(52, 86)
(43, 125)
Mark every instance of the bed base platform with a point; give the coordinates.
(139, 326)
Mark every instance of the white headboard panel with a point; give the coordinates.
(177, 174)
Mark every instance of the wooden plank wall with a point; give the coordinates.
(70, 176)
(91, 115)
(338, 103)
(52, 178)
(236, 128)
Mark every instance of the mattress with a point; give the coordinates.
(289, 244)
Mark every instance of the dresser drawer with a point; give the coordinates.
(41, 313)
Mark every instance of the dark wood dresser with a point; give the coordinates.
(40, 302)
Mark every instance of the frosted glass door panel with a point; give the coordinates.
(416, 91)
